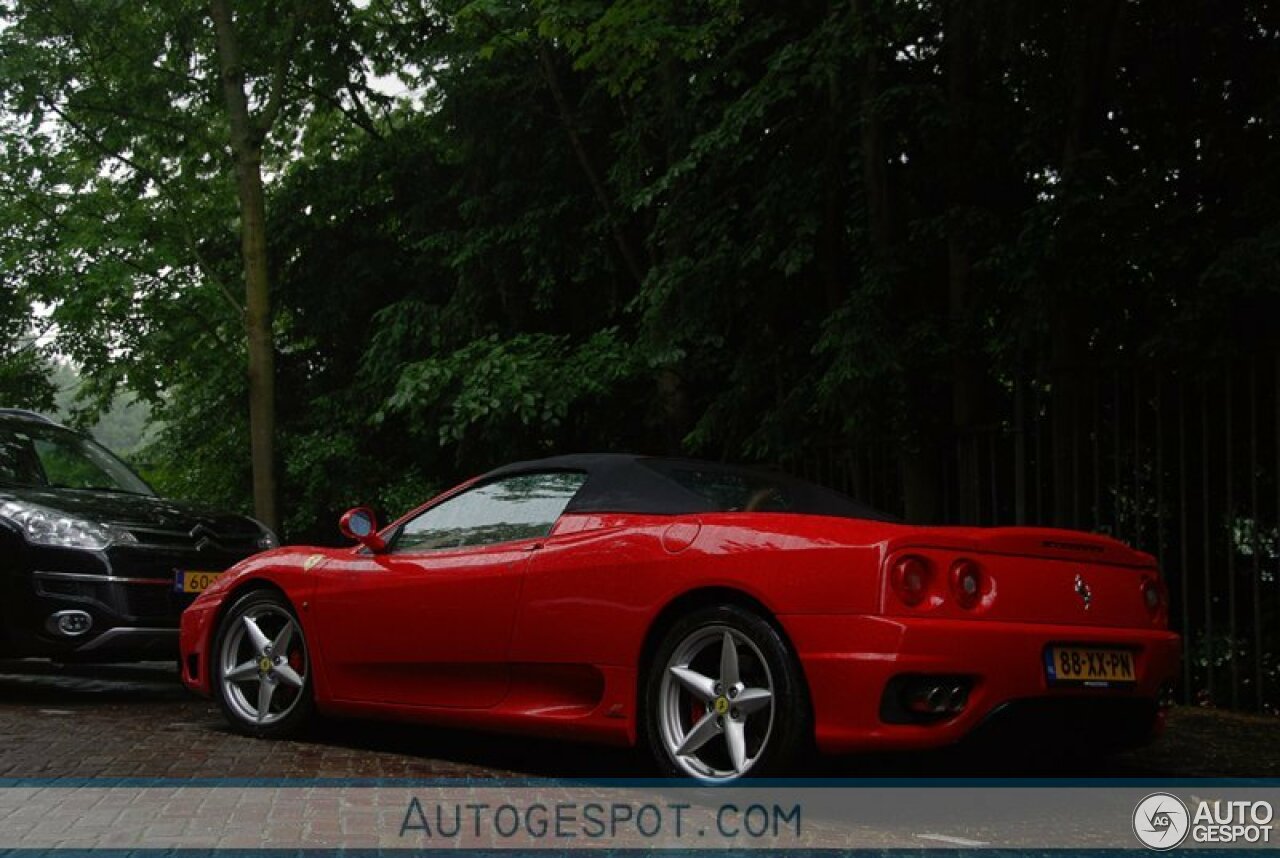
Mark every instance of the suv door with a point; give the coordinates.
(429, 622)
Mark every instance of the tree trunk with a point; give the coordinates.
(629, 257)
(970, 403)
(246, 147)
(832, 259)
(1092, 36)
(875, 176)
(921, 448)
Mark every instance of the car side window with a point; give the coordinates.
(519, 507)
(19, 462)
(64, 469)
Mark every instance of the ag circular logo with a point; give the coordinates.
(1161, 821)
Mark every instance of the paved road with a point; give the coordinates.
(137, 721)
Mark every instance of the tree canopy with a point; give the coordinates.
(735, 229)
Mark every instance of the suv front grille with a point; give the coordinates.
(202, 537)
(132, 562)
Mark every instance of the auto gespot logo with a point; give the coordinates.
(1162, 821)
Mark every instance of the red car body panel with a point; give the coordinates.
(548, 636)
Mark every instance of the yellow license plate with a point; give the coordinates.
(1080, 665)
(195, 582)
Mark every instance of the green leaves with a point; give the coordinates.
(528, 384)
(627, 43)
(735, 228)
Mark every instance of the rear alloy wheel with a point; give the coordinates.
(261, 667)
(724, 698)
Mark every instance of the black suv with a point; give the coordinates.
(93, 565)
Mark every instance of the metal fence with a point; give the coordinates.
(1180, 463)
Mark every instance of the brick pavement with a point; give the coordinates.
(137, 721)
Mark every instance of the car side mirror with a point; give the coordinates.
(361, 525)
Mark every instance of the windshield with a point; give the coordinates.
(52, 457)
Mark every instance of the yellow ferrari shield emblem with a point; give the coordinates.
(721, 705)
(312, 562)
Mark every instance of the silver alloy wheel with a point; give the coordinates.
(264, 664)
(715, 704)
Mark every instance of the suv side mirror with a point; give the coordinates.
(361, 525)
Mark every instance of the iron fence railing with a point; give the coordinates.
(1180, 463)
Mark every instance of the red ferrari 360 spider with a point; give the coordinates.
(726, 618)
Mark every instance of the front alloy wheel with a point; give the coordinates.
(261, 667)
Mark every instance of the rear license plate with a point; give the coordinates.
(186, 581)
(1083, 665)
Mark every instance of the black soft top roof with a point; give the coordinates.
(618, 482)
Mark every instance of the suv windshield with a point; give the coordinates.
(47, 456)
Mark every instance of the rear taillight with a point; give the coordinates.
(910, 578)
(966, 583)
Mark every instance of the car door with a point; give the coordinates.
(428, 622)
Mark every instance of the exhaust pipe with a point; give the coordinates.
(935, 696)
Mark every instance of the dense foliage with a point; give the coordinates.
(724, 227)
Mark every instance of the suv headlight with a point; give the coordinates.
(43, 526)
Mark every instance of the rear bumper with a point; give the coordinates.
(849, 661)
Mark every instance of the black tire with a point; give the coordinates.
(296, 709)
(790, 731)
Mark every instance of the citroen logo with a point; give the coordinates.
(205, 538)
(1083, 591)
